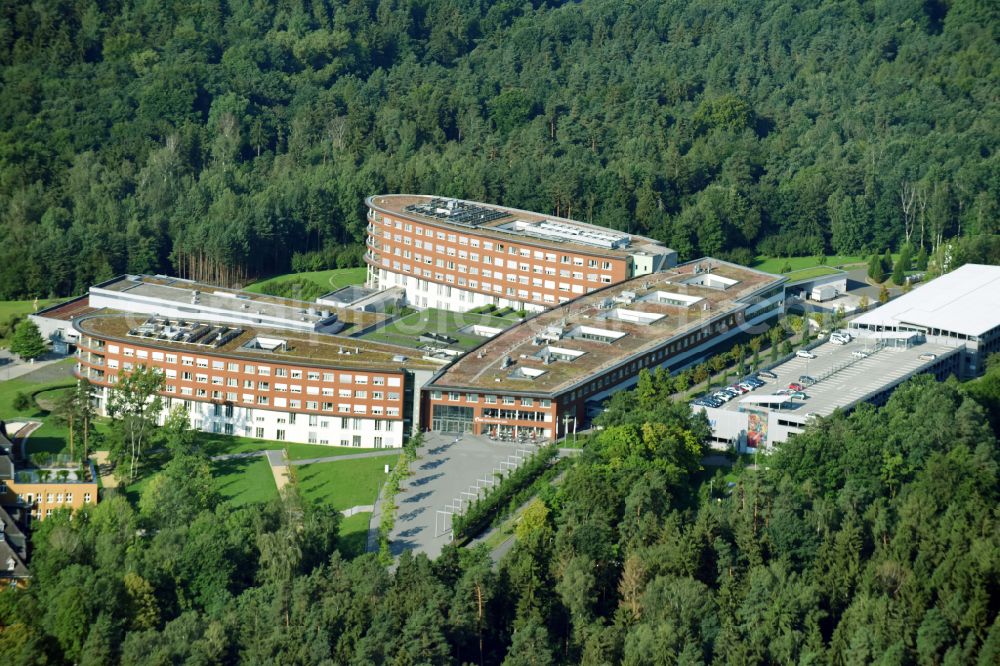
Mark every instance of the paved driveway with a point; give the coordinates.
(446, 466)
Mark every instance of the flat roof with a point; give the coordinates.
(301, 348)
(965, 301)
(67, 310)
(850, 379)
(495, 221)
(178, 291)
(580, 323)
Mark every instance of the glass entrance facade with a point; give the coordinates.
(452, 418)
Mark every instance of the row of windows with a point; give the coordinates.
(490, 273)
(496, 246)
(454, 396)
(266, 401)
(279, 387)
(52, 498)
(511, 292)
(249, 369)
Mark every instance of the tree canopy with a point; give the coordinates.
(226, 141)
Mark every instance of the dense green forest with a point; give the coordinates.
(871, 538)
(229, 140)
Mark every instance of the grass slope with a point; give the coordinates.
(217, 444)
(245, 480)
(344, 484)
(326, 280)
(354, 534)
(9, 309)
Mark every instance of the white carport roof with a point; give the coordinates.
(965, 301)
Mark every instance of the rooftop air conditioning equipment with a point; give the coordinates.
(325, 314)
(506, 362)
(312, 311)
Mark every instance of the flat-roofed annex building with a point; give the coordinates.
(538, 377)
(960, 309)
(458, 255)
(281, 385)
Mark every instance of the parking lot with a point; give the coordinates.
(842, 377)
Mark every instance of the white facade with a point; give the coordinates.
(429, 294)
(327, 429)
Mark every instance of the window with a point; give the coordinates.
(260, 433)
(86, 498)
(280, 435)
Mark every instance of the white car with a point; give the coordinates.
(803, 353)
(859, 354)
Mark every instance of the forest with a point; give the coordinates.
(227, 141)
(873, 537)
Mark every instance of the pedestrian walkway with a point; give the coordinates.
(12, 367)
(279, 468)
(349, 456)
(446, 465)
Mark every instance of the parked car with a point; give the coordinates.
(798, 395)
(768, 374)
(859, 354)
(782, 392)
(927, 357)
(795, 386)
(805, 353)
(840, 337)
(806, 380)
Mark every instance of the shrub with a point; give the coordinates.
(482, 512)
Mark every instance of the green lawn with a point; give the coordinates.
(11, 387)
(406, 330)
(344, 484)
(245, 481)
(326, 280)
(775, 264)
(10, 309)
(807, 273)
(354, 535)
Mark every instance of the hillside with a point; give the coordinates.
(229, 141)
